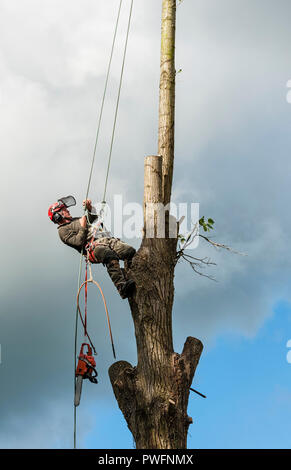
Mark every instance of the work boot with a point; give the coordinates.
(127, 289)
(128, 259)
(124, 287)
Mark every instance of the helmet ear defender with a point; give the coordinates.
(57, 217)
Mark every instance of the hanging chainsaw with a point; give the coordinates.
(86, 369)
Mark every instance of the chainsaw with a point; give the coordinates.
(85, 370)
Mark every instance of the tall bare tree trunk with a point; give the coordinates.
(167, 95)
(153, 396)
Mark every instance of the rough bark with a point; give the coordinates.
(167, 95)
(153, 396)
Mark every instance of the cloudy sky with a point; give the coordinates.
(233, 142)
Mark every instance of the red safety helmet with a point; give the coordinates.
(54, 209)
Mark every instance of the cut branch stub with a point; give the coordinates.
(191, 354)
(122, 378)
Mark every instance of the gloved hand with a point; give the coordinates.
(87, 204)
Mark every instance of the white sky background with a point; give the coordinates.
(232, 156)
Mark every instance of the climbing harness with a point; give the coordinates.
(78, 381)
(98, 231)
(90, 252)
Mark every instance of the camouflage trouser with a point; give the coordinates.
(109, 251)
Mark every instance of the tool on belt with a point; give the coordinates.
(91, 245)
(98, 231)
(86, 369)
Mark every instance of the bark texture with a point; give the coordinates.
(167, 96)
(153, 396)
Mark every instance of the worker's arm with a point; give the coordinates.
(74, 234)
(92, 216)
(83, 221)
(87, 203)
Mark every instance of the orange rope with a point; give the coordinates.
(106, 310)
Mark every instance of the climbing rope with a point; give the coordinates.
(75, 351)
(78, 312)
(84, 320)
(117, 103)
(103, 99)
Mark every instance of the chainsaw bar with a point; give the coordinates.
(78, 390)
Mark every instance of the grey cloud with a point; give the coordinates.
(232, 156)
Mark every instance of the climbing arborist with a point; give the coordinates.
(98, 245)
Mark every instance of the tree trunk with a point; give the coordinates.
(167, 95)
(153, 396)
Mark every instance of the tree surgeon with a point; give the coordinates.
(94, 241)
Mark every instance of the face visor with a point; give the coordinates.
(67, 201)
